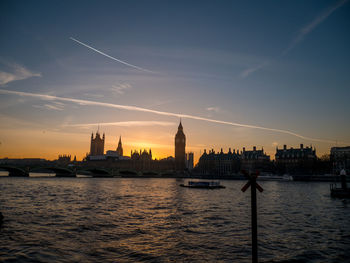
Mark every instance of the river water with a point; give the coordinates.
(155, 220)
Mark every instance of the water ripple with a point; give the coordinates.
(155, 220)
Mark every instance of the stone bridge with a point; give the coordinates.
(18, 171)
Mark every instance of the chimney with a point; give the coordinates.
(243, 149)
(285, 147)
(301, 146)
(254, 148)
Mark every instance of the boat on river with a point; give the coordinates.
(273, 177)
(203, 184)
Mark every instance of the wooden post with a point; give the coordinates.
(254, 222)
(253, 186)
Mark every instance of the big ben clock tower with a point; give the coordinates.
(180, 144)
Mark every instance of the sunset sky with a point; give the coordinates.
(238, 73)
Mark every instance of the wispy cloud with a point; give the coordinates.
(213, 109)
(18, 72)
(113, 58)
(56, 105)
(161, 102)
(248, 71)
(124, 124)
(163, 113)
(302, 33)
(121, 88)
(93, 95)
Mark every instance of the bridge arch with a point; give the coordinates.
(150, 173)
(96, 172)
(59, 171)
(14, 171)
(128, 173)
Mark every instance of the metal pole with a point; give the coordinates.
(254, 222)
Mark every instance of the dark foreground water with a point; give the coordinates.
(155, 220)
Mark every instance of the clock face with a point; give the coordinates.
(180, 140)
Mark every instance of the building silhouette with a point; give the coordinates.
(64, 159)
(141, 160)
(220, 163)
(97, 144)
(232, 162)
(340, 157)
(141, 155)
(180, 145)
(117, 154)
(255, 160)
(295, 161)
(189, 161)
(120, 147)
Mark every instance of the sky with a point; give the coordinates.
(237, 73)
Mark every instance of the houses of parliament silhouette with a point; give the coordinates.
(140, 160)
(97, 144)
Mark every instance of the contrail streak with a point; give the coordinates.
(311, 26)
(303, 32)
(164, 113)
(108, 56)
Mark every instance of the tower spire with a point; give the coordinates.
(180, 125)
(120, 147)
(180, 144)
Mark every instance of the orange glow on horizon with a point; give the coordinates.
(49, 144)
